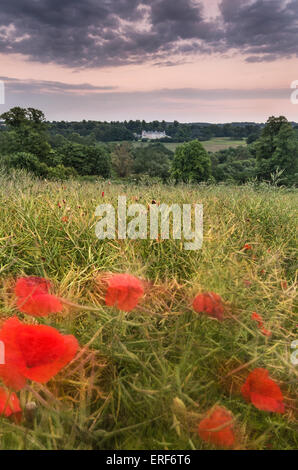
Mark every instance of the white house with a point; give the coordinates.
(153, 135)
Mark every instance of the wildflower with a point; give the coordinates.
(247, 247)
(33, 297)
(266, 332)
(124, 291)
(217, 427)
(284, 285)
(255, 316)
(102, 194)
(34, 352)
(64, 219)
(9, 404)
(209, 303)
(263, 392)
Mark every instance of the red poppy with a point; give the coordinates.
(209, 303)
(218, 428)
(34, 298)
(9, 404)
(247, 247)
(64, 219)
(35, 352)
(102, 194)
(255, 316)
(266, 332)
(263, 392)
(124, 291)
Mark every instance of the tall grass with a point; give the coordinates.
(119, 393)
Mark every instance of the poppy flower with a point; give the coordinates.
(209, 303)
(218, 428)
(34, 297)
(266, 332)
(255, 316)
(102, 194)
(263, 392)
(247, 247)
(9, 404)
(34, 352)
(64, 219)
(124, 291)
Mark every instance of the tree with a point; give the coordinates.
(86, 159)
(191, 163)
(122, 161)
(153, 160)
(28, 130)
(277, 149)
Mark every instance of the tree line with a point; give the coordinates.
(29, 142)
(94, 131)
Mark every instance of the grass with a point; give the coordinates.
(212, 145)
(120, 392)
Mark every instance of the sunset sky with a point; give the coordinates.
(189, 60)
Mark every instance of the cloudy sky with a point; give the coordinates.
(190, 60)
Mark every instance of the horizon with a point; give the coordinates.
(209, 61)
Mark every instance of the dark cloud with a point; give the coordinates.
(97, 33)
(263, 29)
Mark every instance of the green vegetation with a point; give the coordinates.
(191, 163)
(28, 142)
(119, 393)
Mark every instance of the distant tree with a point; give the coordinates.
(28, 130)
(153, 160)
(86, 160)
(277, 149)
(122, 160)
(191, 163)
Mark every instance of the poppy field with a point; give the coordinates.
(140, 344)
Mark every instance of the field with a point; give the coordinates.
(212, 145)
(121, 390)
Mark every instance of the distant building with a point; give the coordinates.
(153, 135)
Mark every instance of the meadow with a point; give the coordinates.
(213, 145)
(144, 379)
